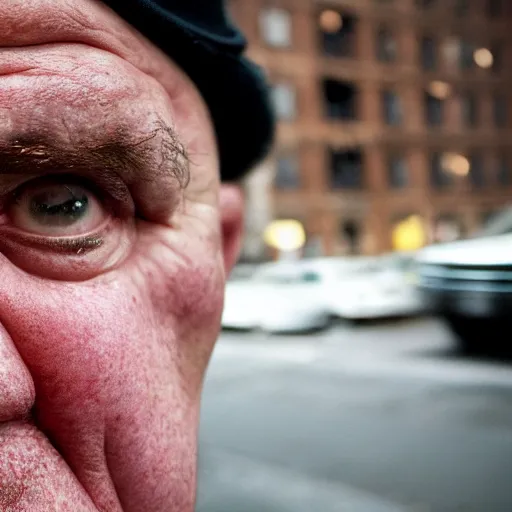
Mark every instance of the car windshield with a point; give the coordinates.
(401, 263)
(287, 277)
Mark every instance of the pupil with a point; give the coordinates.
(61, 207)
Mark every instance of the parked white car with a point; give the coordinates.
(305, 295)
(373, 288)
(279, 297)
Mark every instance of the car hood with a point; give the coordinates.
(488, 251)
(268, 296)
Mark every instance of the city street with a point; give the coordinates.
(370, 418)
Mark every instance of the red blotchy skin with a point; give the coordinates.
(103, 353)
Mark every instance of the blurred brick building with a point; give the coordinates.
(389, 109)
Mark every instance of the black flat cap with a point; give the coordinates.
(199, 36)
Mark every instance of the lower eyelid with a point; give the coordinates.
(78, 258)
(72, 246)
(80, 244)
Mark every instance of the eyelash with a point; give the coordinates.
(71, 257)
(77, 245)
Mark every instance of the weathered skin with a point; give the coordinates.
(104, 345)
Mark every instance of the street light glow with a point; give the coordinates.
(330, 21)
(483, 58)
(456, 164)
(285, 235)
(439, 89)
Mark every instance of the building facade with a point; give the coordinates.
(393, 113)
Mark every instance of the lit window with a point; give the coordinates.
(330, 21)
(337, 33)
(439, 89)
(483, 58)
(276, 27)
(455, 164)
(408, 232)
(284, 99)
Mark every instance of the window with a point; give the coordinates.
(287, 172)
(428, 54)
(495, 8)
(447, 228)
(476, 170)
(439, 177)
(496, 52)
(276, 27)
(386, 46)
(466, 55)
(351, 235)
(461, 7)
(469, 109)
(391, 108)
(284, 100)
(340, 100)
(337, 33)
(346, 169)
(398, 173)
(425, 4)
(503, 167)
(499, 107)
(433, 110)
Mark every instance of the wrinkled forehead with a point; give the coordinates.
(49, 23)
(79, 75)
(78, 21)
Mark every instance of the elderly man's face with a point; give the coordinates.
(114, 239)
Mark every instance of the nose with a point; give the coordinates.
(17, 393)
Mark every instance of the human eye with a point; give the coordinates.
(64, 227)
(56, 207)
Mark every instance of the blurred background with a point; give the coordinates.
(365, 359)
(390, 111)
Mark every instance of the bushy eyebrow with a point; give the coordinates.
(156, 155)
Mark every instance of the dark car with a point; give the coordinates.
(469, 284)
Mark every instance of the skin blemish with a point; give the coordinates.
(11, 495)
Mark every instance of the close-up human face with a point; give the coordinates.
(115, 238)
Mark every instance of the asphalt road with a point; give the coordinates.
(377, 418)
